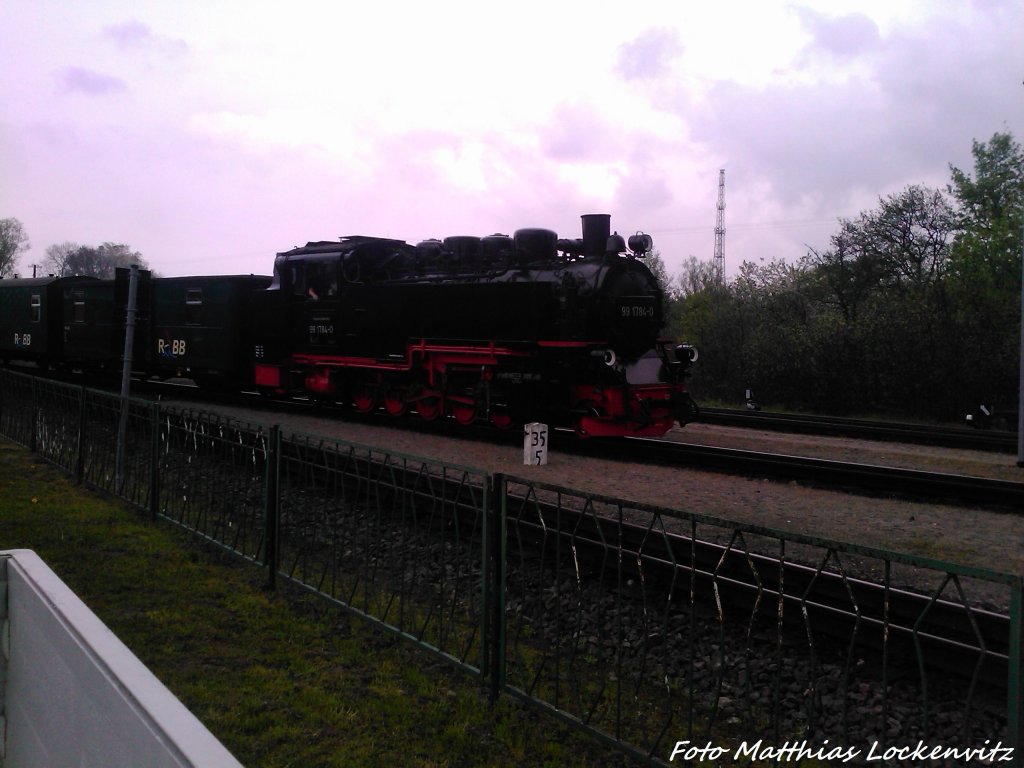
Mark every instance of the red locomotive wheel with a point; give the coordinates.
(365, 400)
(394, 404)
(501, 418)
(429, 408)
(464, 413)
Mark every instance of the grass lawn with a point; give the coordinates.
(281, 678)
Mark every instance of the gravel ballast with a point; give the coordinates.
(951, 533)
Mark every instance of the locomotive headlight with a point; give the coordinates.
(606, 356)
(686, 353)
(641, 243)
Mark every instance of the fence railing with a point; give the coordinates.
(644, 626)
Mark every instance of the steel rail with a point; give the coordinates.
(1002, 495)
(923, 434)
(962, 640)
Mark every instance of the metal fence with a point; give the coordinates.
(395, 538)
(643, 626)
(654, 627)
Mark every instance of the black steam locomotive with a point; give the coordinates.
(500, 329)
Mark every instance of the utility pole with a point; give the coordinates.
(718, 265)
(1020, 390)
(126, 379)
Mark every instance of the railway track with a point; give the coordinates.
(1002, 495)
(862, 615)
(920, 434)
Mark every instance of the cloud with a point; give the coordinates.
(87, 81)
(844, 36)
(134, 35)
(887, 111)
(643, 191)
(578, 132)
(130, 34)
(650, 55)
(261, 133)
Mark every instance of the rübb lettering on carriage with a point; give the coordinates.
(170, 347)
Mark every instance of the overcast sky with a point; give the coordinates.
(209, 135)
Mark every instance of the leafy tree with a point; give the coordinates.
(991, 203)
(986, 269)
(710, 317)
(903, 244)
(96, 262)
(846, 274)
(13, 241)
(880, 319)
(657, 266)
(696, 299)
(988, 247)
(913, 309)
(669, 290)
(912, 233)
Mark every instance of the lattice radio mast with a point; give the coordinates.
(718, 266)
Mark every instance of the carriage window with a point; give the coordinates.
(298, 284)
(193, 305)
(78, 301)
(37, 307)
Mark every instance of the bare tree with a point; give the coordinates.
(657, 266)
(695, 276)
(13, 241)
(57, 256)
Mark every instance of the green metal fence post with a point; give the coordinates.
(486, 590)
(154, 462)
(494, 589)
(80, 440)
(273, 504)
(1015, 672)
(32, 441)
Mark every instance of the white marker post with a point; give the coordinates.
(535, 444)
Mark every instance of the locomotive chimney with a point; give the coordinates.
(596, 229)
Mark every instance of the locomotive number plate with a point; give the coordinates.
(636, 308)
(321, 329)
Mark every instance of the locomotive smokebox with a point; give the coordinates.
(596, 229)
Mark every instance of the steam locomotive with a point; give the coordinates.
(500, 329)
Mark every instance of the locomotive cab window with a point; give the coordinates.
(37, 307)
(315, 280)
(78, 304)
(193, 305)
(298, 280)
